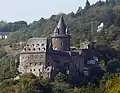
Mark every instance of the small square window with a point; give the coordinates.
(42, 44)
(30, 69)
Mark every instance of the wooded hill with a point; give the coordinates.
(79, 24)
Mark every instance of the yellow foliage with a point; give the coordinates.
(77, 90)
(113, 85)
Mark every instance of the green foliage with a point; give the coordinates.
(8, 68)
(81, 24)
(113, 66)
(60, 85)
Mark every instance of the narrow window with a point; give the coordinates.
(24, 49)
(39, 70)
(30, 64)
(35, 64)
(29, 49)
(27, 44)
(34, 69)
(40, 63)
(43, 48)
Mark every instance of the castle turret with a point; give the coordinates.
(61, 37)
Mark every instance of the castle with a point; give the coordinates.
(45, 58)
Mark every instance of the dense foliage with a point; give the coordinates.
(83, 25)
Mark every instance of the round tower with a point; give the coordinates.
(61, 37)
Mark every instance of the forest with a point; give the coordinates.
(79, 23)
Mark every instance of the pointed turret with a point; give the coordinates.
(67, 31)
(61, 37)
(87, 4)
(61, 26)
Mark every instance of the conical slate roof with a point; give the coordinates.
(61, 26)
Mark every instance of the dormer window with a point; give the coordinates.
(58, 30)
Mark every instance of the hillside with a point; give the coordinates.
(79, 23)
(83, 26)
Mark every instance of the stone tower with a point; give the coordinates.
(61, 37)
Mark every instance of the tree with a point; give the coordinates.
(60, 85)
(113, 66)
(112, 85)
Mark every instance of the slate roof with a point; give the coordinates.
(61, 30)
(61, 26)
